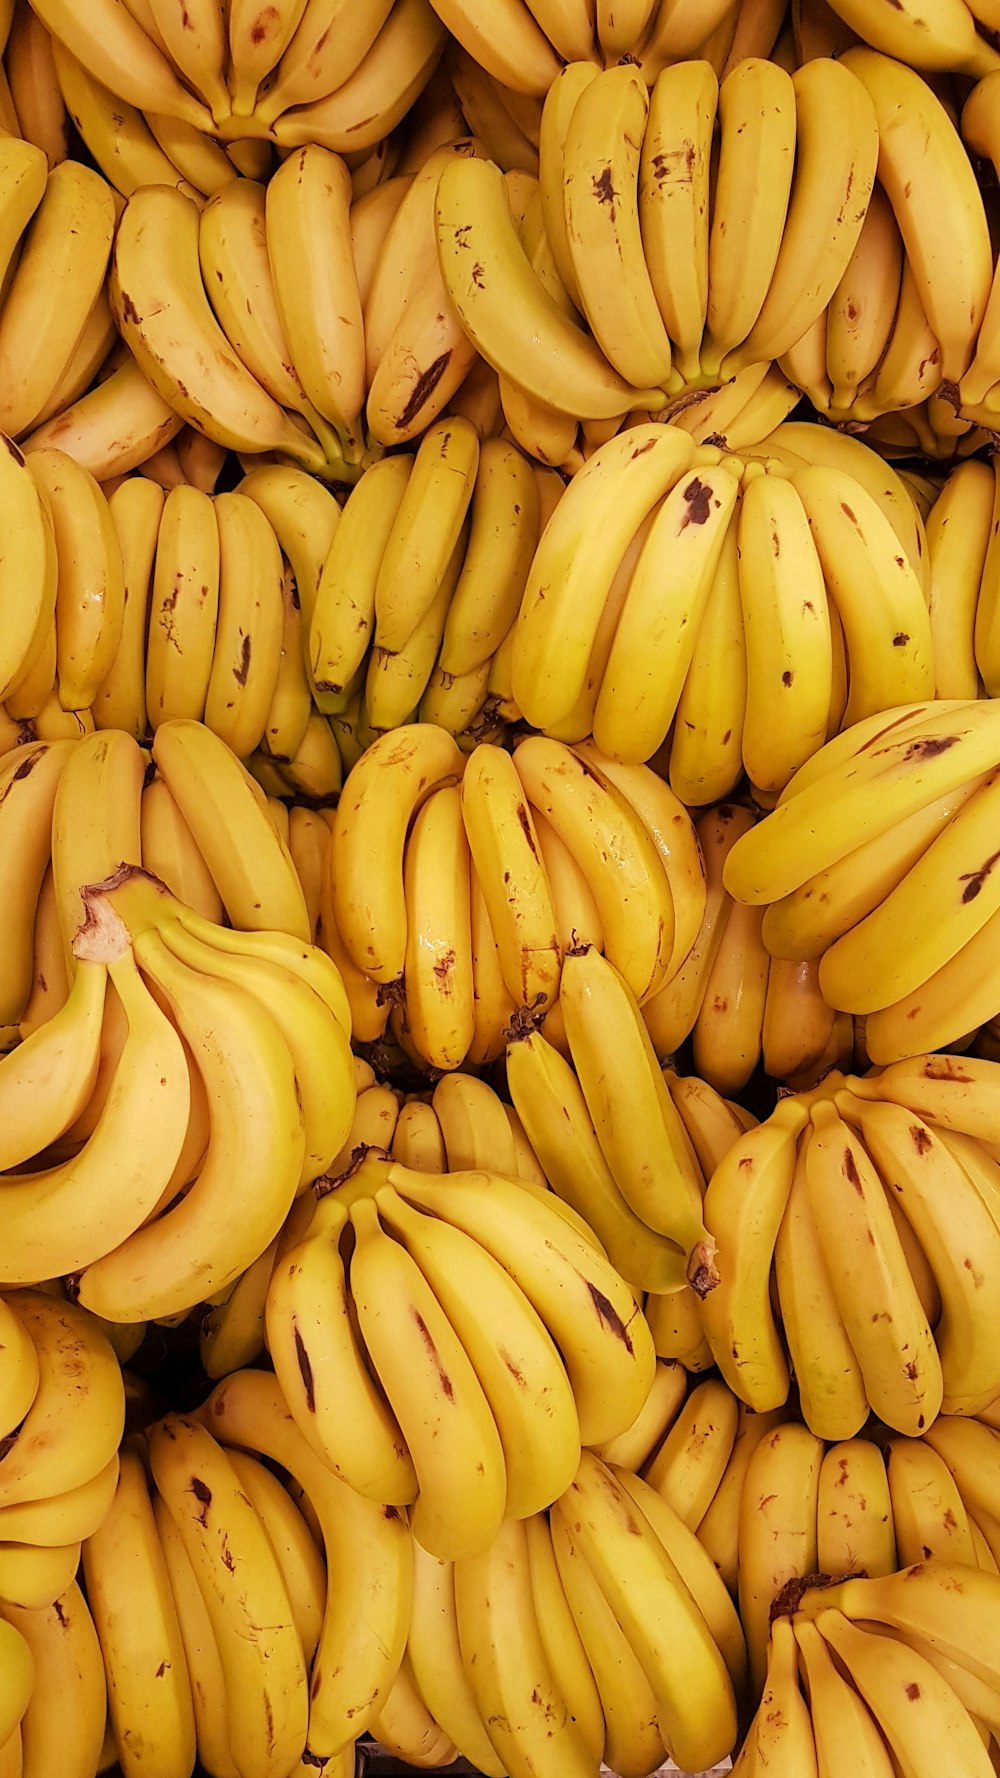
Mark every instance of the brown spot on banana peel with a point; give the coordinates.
(305, 1368)
(975, 880)
(203, 1493)
(607, 1313)
(241, 671)
(423, 388)
(920, 1138)
(849, 1167)
(698, 499)
(447, 1386)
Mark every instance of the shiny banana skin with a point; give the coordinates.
(576, 560)
(557, 112)
(550, 1102)
(294, 1544)
(46, 1081)
(74, 1424)
(884, 672)
(380, 796)
(777, 1530)
(184, 605)
(633, 1740)
(511, 874)
(23, 178)
(405, 1726)
(29, 785)
(525, 1713)
(986, 631)
(367, 1544)
(116, 133)
(169, 852)
(918, 1168)
(798, 1025)
(71, 1214)
(332, 39)
(744, 1203)
(128, 1592)
(90, 604)
(437, 971)
(19, 1373)
(786, 624)
(632, 1447)
(567, 1657)
(854, 1518)
(371, 219)
(601, 156)
(885, 1672)
(34, 1577)
(863, 306)
(224, 809)
(204, 1665)
(66, 1656)
(505, 524)
(426, 530)
(232, 1333)
(598, 824)
(863, 797)
(117, 51)
(342, 623)
(674, 203)
(451, 1432)
(318, 1045)
(728, 1029)
(655, 635)
(493, 1004)
(899, 1361)
(688, 1464)
(312, 263)
(256, 1126)
(832, 1397)
(718, 1532)
(289, 715)
(248, 635)
(256, 45)
(110, 429)
(577, 918)
(536, 1413)
(59, 277)
(957, 997)
(197, 46)
(163, 313)
(659, 1177)
(757, 143)
(396, 680)
(952, 266)
(362, 111)
(507, 41)
(418, 1140)
(780, 1737)
(890, 952)
(248, 1607)
(304, 517)
(929, 1515)
(696, 1709)
(844, 1728)
(505, 309)
(826, 206)
(320, 1368)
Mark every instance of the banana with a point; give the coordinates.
(248, 633)
(696, 1709)
(493, 1005)
(116, 134)
(832, 1397)
(855, 1522)
(293, 1543)
(757, 146)
(63, 1518)
(184, 607)
(674, 202)
(19, 1374)
(929, 1515)
(511, 874)
(405, 1726)
(29, 784)
(90, 606)
(315, 284)
(256, 45)
(987, 618)
(681, 30)
(561, 1642)
(34, 1577)
(204, 1665)
(343, 617)
(163, 313)
(458, 1457)
(112, 428)
(505, 309)
(655, 635)
(744, 1204)
(706, 744)
(549, 1100)
(318, 1361)
(222, 806)
(956, 998)
(48, 1079)
(115, 50)
(616, 853)
(136, 511)
(169, 852)
(397, 679)
(473, 1127)
(426, 530)
(633, 1740)
(523, 1709)
(675, 1325)
(632, 1447)
(728, 1029)
(418, 1140)
(863, 306)
(505, 523)
(616, 1066)
(366, 106)
(601, 175)
(575, 564)
(798, 1025)
(956, 1093)
(576, 916)
(438, 965)
(687, 1467)
(718, 1532)
(379, 799)
(610, 1362)
(671, 1013)
(781, 1734)
(863, 796)
(371, 219)
(74, 1423)
(332, 40)
(507, 41)
(826, 207)
(128, 1592)
(66, 1657)
(304, 517)
(512, 1354)
(777, 1530)
(23, 179)
(891, 1677)
(243, 1589)
(435, 1661)
(897, 1355)
(59, 277)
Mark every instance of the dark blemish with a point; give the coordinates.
(203, 1493)
(164, 1667)
(698, 498)
(478, 275)
(930, 748)
(845, 508)
(911, 1370)
(12, 448)
(900, 639)
(522, 815)
(921, 1138)
(240, 672)
(447, 1385)
(913, 1692)
(305, 1370)
(974, 879)
(850, 1170)
(787, 677)
(424, 386)
(607, 1312)
(129, 310)
(229, 1560)
(640, 450)
(60, 1614)
(604, 190)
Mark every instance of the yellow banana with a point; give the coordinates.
(115, 49)
(777, 1530)
(248, 632)
(67, 1660)
(74, 1424)
(854, 1523)
(674, 202)
(90, 601)
(343, 616)
(863, 306)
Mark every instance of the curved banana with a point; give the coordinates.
(674, 202)
(74, 1424)
(365, 107)
(832, 1396)
(855, 1529)
(863, 306)
(777, 1530)
(511, 875)
(248, 631)
(90, 602)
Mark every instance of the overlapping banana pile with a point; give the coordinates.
(500, 961)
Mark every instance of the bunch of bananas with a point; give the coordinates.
(898, 1673)
(893, 813)
(865, 1191)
